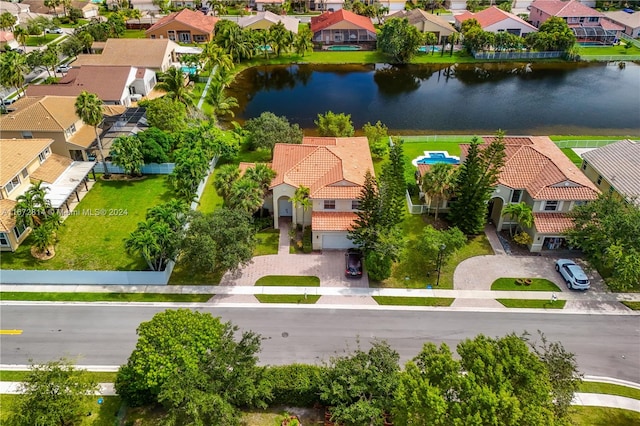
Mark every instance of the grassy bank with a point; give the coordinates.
(105, 297)
(413, 301)
(288, 281)
(537, 284)
(18, 376)
(533, 304)
(610, 389)
(287, 298)
(600, 416)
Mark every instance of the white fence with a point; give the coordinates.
(147, 169)
(517, 55)
(416, 208)
(584, 143)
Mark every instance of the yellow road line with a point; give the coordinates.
(11, 332)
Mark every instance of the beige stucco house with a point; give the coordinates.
(184, 26)
(427, 23)
(264, 20)
(157, 55)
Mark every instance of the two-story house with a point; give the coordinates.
(495, 20)
(587, 24)
(154, 54)
(28, 161)
(334, 170)
(615, 168)
(184, 26)
(52, 117)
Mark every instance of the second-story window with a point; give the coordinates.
(599, 180)
(355, 204)
(516, 195)
(15, 182)
(43, 155)
(551, 205)
(329, 204)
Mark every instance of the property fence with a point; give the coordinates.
(416, 208)
(517, 55)
(147, 169)
(628, 39)
(584, 143)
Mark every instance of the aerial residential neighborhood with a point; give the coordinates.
(328, 212)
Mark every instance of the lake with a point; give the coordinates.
(538, 98)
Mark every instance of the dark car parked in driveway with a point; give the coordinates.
(353, 264)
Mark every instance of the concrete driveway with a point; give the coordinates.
(478, 273)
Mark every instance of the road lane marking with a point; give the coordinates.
(14, 332)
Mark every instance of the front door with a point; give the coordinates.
(285, 208)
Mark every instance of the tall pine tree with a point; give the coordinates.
(368, 215)
(393, 186)
(475, 183)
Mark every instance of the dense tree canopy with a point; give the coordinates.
(553, 34)
(331, 124)
(126, 152)
(268, 129)
(166, 114)
(399, 39)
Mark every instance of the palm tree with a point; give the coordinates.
(520, 212)
(32, 207)
(301, 199)
(13, 67)
(21, 35)
(224, 179)
(89, 108)
(262, 174)
(438, 184)
(7, 21)
(145, 241)
(235, 42)
(173, 82)
(223, 77)
(245, 195)
(173, 213)
(215, 56)
(52, 4)
(221, 103)
(303, 41)
(281, 38)
(43, 237)
(136, 14)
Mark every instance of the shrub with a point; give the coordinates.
(307, 245)
(413, 188)
(294, 385)
(523, 238)
(378, 266)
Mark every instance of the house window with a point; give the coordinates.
(329, 204)
(581, 20)
(199, 38)
(12, 184)
(611, 189)
(18, 230)
(355, 204)
(43, 155)
(4, 240)
(27, 135)
(599, 179)
(593, 19)
(551, 206)
(584, 165)
(579, 203)
(516, 195)
(25, 173)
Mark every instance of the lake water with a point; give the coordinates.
(539, 98)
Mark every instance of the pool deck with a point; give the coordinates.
(436, 155)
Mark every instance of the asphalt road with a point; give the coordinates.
(105, 335)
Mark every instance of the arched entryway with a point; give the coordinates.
(494, 212)
(285, 207)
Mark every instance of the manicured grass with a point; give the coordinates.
(133, 34)
(106, 297)
(415, 148)
(287, 298)
(557, 138)
(571, 155)
(610, 389)
(101, 415)
(183, 275)
(601, 416)
(210, 200)
(632, 305)
(537, 284)
(18, 376)
(288, 281)
(267, 242)
(608, 50)
(414, 301)
(538, 304)
(40, 40)
(96, 242)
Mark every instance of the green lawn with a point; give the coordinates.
(609, 389)
(538, 304)
(600, 416)
(288, 281)
(287, 298)
(267, 242)
(101, 415)
(413, 148)
(537, 284)
(210, 200)
(18, 376)
(632, 305)
(40, 40)
(608, 50)
(106, 297)
(183, 275)
(96, 242)
(414, 301)
(571, 154)
(134, 34)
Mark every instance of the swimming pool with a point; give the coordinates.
(189, 70)
(427, 49)
(433, 157)
(343, 48)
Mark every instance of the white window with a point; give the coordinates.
(516, 195)
(355, 204)
(551, 205)
(4, 240)
(329, 204)
(25, 173)
(19, 230)
(12, 184)
(43, 155)
(27, 135)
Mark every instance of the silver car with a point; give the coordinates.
(572, 274)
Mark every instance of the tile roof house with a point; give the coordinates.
(114, 85)
(615, 168)
(25, 161)
(260, 4)
(184, 26)
(495, 20)
(7, 39)
(51, 117)
(264, 20)
(334, 170)
(539, 174)
(427, 23)
(342, 27)
(588, 24)
(157, 55)
(630, 22)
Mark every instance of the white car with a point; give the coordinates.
(53, 31)
(63, 68)
(572, 274)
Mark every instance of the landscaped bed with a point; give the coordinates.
(413, 301)
(288, 281)
(601, 416)
(287, 298)
(535, 303)
(92, 238)
(267, 242)
(524, 284)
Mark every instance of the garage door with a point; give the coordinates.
(336, 241)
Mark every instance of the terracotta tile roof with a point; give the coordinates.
(332, 221)
(196, 20)
(564, 9)
(621, 17)
(52, 168)
(490, 16)
(328, 19)
(6, 36)
(16, 154)
(551, 223)
(610, 26)
(539, 167)
(329, 167)
(243, 166)
(416, 16)
(619, 164)
(7, 219)
(46, 113)
(108, 82)
(135, 52)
